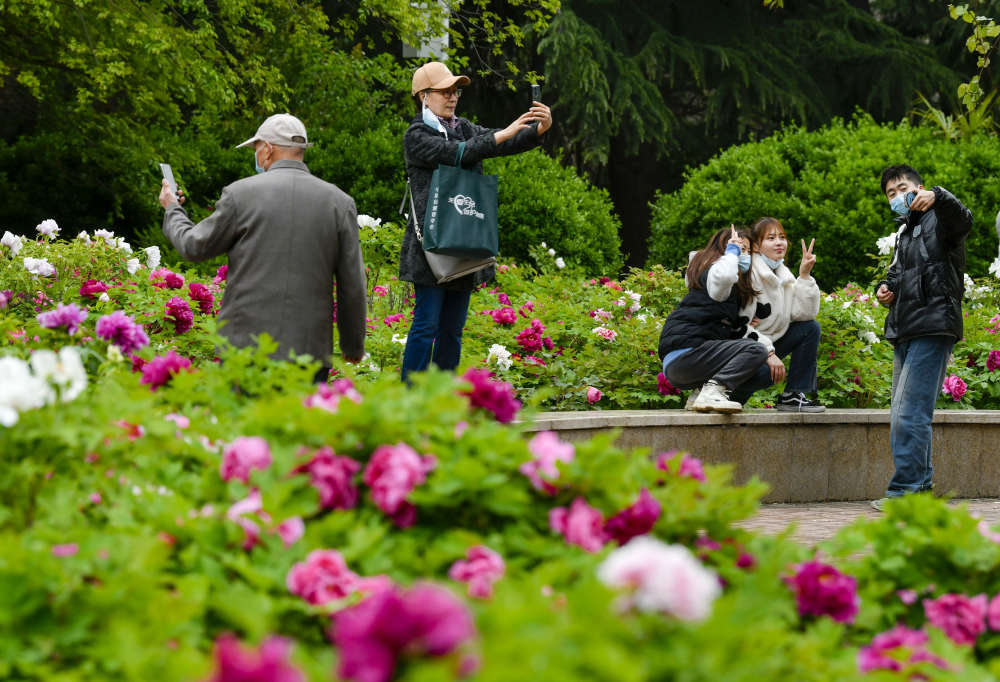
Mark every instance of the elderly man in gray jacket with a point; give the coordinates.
(288, 235)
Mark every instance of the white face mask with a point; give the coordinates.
(771, 263)
(431, 119)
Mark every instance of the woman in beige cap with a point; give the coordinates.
(432, 139)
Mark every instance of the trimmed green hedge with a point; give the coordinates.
(825, 184)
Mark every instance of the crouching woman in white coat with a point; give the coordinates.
(791, 325)
(703, 343)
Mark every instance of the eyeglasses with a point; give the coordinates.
(457, 92)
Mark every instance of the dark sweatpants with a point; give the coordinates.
(731, 363)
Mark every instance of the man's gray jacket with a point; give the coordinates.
(288, 235)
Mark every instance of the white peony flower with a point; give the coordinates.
(368, 221)
(104, 297)
(64, 370)
(560, 263)
(83, 236)
(552, 252)
(152, 257)
(107, 235)
(19, 390)
(48, 228)
(401, 340)
(871, 337)
(885, 244)
(502, 356)
(661, 577)
(123, 245)
(115, 353)
(132, 264)
(544, 245)
(39, 266)
(641, 317)
(14, 243)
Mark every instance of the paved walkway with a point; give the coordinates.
(817, 522)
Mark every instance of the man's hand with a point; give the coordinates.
(884, 296)
(543, 115)
(923, 201)
(167, 197)
(808, 259)
(777, 368)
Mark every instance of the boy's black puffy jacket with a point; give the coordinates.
(928, 270)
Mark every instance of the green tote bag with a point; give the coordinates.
(461, 216)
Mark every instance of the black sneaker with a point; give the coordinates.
(798, 402)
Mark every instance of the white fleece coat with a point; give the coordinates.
(792, 299)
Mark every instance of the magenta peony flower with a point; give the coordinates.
(960, 617)
(121, 330)
(495, 396)
(593, 395)
(546, 450)
(322, 577)
(392, 472)
(242, 455)
(581, 524)
(822, 590)
(200, 293)
(180, 313)
(372, 635)
(70, 316)
(4, 299)
(480, 569)
(635, 520)
(160, 370)
(531, 339)
(525, 309)
(503, 299)
(954, 386)
(892, 649)
(233, 663)
(504, 316)
(390, 320)
(333, 476)
(993, 360)
(327, 397)
(689, 466)
(380, 291)
(92, 288)
(221, 274)
(664, 386)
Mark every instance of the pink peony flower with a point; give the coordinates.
(993, 360)
(180, 420)
(897, 647)
(70, 316)
(92, 288)
(907, 596)
(390, 624)
(233, 663)
(581, 525)
(380, 291)
(180, 313)
(327, 397)
(121, 330)
(220, 274)
(546, 450)
(593, 395)
(635, 520)
(664, 386)
(65, 550)
(333, 476)
(993, 613)
(954, 386)
(960, 617)
(661, 578)
(689, 466)
(4, 299)
(160, 370)
(495, 396)
(504, 316)
(503, 299)
(480, 569)
(242, 455)
(822, 590)
(392, 472)
(291, 530)
(601, 314)
(200, 293)
(988, 533)
(390, 320)
(322, 577)
(605, 333)
(240, 511)
(95, 498)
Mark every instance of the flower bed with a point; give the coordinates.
(167, 516)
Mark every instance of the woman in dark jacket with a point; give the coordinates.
(432, 139)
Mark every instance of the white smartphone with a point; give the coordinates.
(168, 175)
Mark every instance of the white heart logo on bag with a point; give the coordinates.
(465, 206)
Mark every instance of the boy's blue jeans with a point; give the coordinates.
(918, 369)
(436, 332)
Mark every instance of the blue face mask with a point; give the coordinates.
(901, 202)
(773, 264)
(432, 120)
(744, 262)
(256, 165)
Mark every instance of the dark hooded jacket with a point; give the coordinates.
(928, 271)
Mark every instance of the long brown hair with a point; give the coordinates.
(712, 252)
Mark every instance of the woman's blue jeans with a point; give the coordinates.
(436, 332)
(801, 340)
(918, 369)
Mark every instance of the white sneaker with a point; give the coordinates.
(714, 398)
(689, 405)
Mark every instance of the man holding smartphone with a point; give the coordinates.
(288, 236)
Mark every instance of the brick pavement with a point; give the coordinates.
(817, 522)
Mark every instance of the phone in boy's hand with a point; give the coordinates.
(536, 93)
(168, 175)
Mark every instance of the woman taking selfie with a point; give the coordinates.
(432, 139)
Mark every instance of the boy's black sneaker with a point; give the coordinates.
(798, 402)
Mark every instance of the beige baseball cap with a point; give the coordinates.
(282, 130)
(436, 76)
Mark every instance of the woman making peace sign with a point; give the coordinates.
(792, 325)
